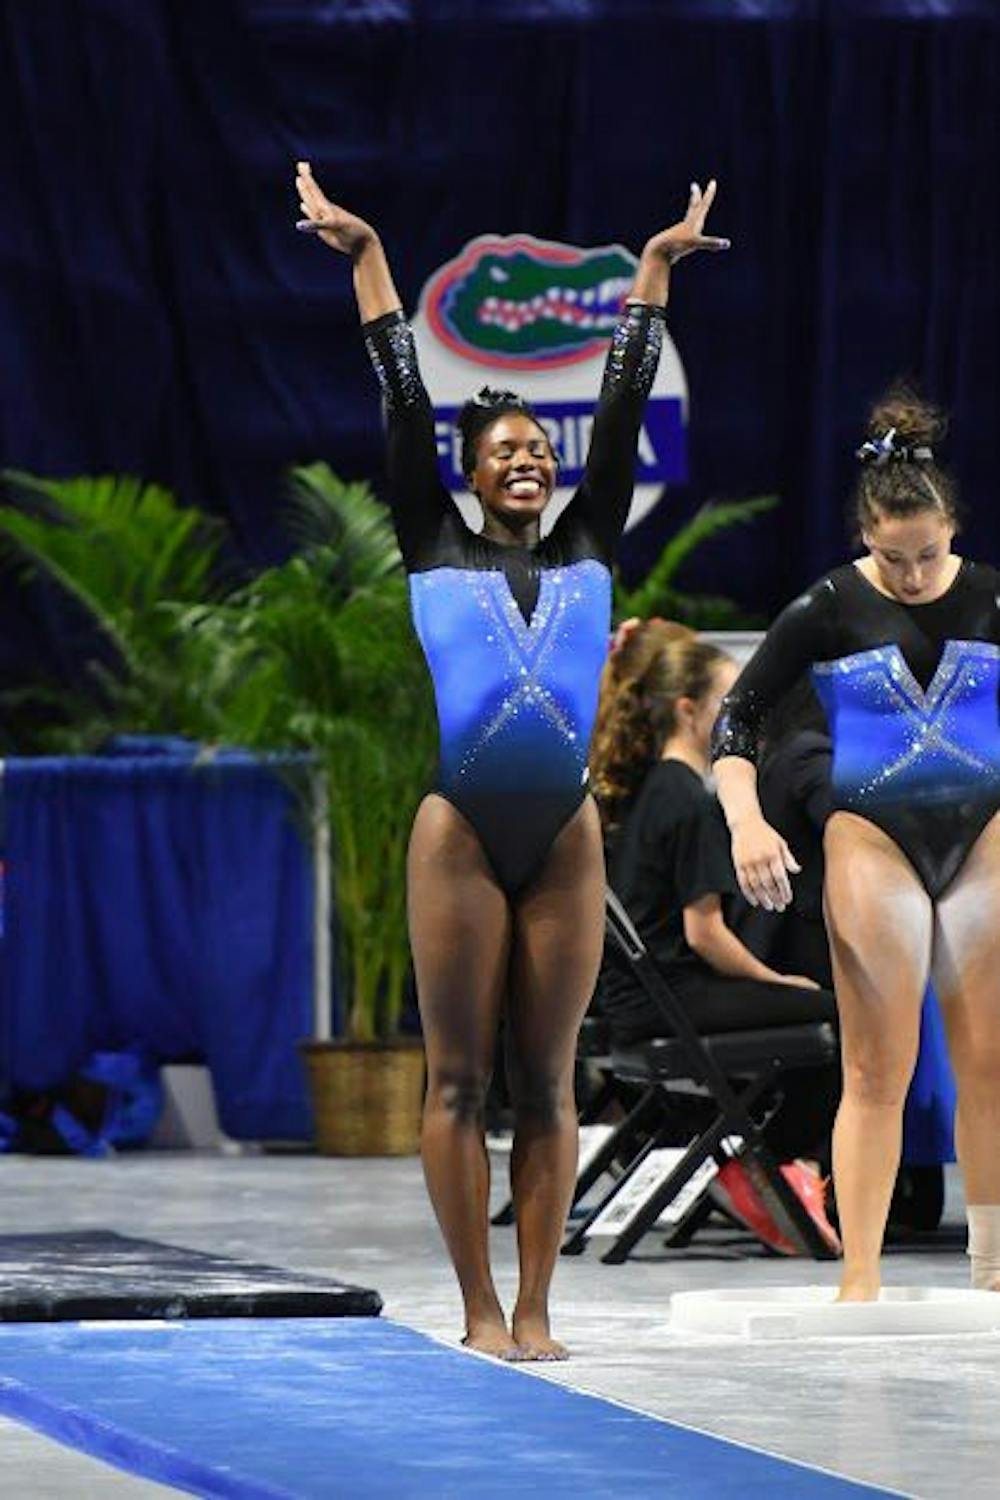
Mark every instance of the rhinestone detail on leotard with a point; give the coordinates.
(399, 377)
(639, 332)
(928, 724)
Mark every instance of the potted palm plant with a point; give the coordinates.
(315, 654)
(330, 629)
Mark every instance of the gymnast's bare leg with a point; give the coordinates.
(880, 921)
(557, 944)
(966, 976)
(460, 931)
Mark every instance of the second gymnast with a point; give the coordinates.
(904, 652)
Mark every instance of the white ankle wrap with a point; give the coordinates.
(984, 1245)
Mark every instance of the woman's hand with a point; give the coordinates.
(798, 981)
(336, 227)
(373, 284)
(688, 236)
(762, 861)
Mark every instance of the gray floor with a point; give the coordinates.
(916, 1416)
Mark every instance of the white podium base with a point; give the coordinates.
(786, 1312)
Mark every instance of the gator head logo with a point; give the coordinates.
(528, 304)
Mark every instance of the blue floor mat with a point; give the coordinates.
(313, 1408)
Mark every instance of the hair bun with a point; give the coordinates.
(481, 411)
(916, 423)
(901, 472)
(488, 395)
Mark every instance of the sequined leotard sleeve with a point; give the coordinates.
(419, 501)
(515, 637)
(604, 494)
(911, 694)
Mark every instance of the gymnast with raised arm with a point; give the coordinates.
(505, 871)
(904, 648)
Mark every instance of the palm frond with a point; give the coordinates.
(38, 558)
(126, 543)
(345, 521)
(715, 516)
(700, 611)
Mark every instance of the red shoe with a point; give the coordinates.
(743, 1201)
(739, 1196)
(810, 1189)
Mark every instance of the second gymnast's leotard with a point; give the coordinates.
(515, 637)
(911, 696)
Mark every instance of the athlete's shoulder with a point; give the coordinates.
(983, 577)
(819, 600)
(977, 590)
(839, 580)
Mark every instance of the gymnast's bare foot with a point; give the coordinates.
(859, 1286)
(531, 1330)
(491, 1336)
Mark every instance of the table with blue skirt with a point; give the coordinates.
(162, 898)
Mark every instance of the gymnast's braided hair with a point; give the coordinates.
(481, 411)
(900, 472)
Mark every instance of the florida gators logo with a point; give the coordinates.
(527, 304)
(516, 310)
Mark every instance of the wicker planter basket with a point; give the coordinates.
(367, 1096)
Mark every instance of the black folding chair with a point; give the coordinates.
(684, 1060)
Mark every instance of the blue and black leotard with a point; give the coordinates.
(911, 696)
(514, 636)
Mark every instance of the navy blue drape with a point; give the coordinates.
(159, 314)
(160, 903)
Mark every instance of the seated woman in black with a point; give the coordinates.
(670, 865)
(625, 743)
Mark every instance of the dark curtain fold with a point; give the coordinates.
(160, 316)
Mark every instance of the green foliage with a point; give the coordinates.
(127, 553)
(315, 654)
(123, 547)
(357, 541)
(657, 594)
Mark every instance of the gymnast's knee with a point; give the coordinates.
(460, 1094)
(877, 1083)
(541, 1098)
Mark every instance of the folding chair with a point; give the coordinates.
(684, 1060)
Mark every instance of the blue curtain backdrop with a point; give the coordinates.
(160, 316)
(154, 901)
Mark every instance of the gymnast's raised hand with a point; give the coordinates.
(352, 236)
